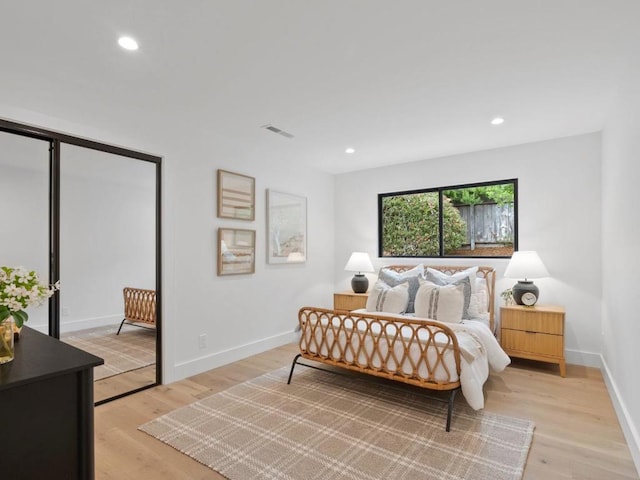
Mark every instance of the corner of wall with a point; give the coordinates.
(626, 422)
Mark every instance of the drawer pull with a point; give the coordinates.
(530, 331)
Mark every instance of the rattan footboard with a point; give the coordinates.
(405, 350)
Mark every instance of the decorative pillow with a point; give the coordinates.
(474, 306)
(442, 303)
(471, 272)
(411, 277)
(463, 280)
(482, 290)
(479, 304)
(383, 298)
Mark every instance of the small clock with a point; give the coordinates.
(529, 299)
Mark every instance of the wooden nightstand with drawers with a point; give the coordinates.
(536, 333)
(349, 300)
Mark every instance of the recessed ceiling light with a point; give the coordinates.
(497, 121)
(349, 150)
(128, 43)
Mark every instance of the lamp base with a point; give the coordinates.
(359, 283)
(522, 287)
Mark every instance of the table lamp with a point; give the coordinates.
(359, 262)
(526, 265)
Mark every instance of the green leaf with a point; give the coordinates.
(4, 313)
(20, 317)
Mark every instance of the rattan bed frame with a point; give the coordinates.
(321, 327)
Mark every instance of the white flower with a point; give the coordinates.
(21, 288)
(12, 289)
(15, 305)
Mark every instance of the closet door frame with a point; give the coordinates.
(55, 140)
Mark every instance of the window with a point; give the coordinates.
(475, 220)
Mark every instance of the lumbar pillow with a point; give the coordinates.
(442, 303)
(411, 277)
(384, 298)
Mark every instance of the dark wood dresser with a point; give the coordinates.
(46, 410)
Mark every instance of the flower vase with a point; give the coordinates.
(6, 340)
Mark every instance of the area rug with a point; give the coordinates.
(134, 348)
(330, 427)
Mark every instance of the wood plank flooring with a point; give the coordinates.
(124, 382)
(577, 433)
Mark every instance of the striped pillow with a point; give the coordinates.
(462, 280)
(442, 303)
(384, 298)
(411, 277)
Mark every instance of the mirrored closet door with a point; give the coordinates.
(88, 214)
(107, 245)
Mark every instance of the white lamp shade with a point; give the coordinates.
(359, 262)
(526, 265)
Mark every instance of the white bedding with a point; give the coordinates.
(473, 374)
(480, 351)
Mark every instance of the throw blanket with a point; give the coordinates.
(473, 374)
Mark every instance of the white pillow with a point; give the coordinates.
(479, 302)
(471, 272)
(417, 270)
(483, 291)
(383, 298)
(442, 303)
(412, 277)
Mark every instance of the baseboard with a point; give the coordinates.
(628, 428)
(218, 359)
(86, 323)
(587, 359)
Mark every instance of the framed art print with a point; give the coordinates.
(286, 227)
(236, 251)
(236, 196)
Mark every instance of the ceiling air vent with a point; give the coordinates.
(273, 129)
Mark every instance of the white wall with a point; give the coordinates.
(253, 311)
(559, 216)
(621, 258)
(107, 227)
(24, 225)
(107, 234)
(240, 315)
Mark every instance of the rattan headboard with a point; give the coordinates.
(488, 273)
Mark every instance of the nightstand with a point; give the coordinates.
(536, 333)
(349, 300)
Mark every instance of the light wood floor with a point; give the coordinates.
(577, 434)
(123, 382)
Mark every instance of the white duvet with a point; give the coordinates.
(480, 352)
(475, 371)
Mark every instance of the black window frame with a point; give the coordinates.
(440, 190)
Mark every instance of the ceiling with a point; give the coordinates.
(398, 81)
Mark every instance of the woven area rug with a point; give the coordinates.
(134, 348)
(329, 427)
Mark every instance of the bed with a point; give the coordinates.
(415, 330)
